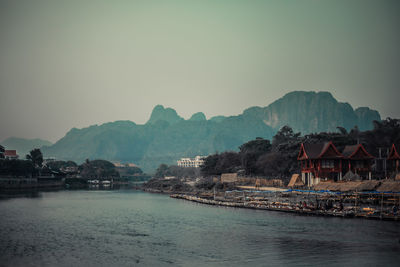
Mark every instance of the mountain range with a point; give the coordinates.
(166, 136)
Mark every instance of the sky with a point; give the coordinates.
(70, 63)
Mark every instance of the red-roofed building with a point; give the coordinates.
(393, 159)
(319, 161)
(357, 160)
(10, 154)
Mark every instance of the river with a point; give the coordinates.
(133, 228)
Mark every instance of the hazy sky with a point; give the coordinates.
(67, 64)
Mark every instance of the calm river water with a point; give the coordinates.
(129, 228)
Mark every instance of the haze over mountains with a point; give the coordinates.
(23, 146)
(167, 137)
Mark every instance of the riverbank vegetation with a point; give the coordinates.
(34, 166)
(175, 171)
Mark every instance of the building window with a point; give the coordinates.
(327, 164)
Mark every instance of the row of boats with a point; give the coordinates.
(296, 208)
(98, 183)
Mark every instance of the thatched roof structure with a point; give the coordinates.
(358, 186)
(393, 154)
(329, 185)
(389, 186)
(350, 176)
(295, 181)
(369, 185)
(229, 178)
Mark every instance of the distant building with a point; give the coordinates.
(47, 160)
(69, 169)
(319, 161)
(229, 177)
(393, 159)
(132, 165)
(10, 154)
(357, 160)
(119, 164)
(324, 161)
(125, 165)
(195, 162)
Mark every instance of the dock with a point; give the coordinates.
(260, 204)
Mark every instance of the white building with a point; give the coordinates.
(191, 162)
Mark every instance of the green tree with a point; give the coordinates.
(285, 134)
(221, 163)
(161, 171)
(250, 153)
(36, 157)
(99, 169)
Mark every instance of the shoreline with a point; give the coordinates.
(281, 207)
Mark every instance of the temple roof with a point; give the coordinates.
(356, 152)
(316, 151)
(10, 153)
(393, 153)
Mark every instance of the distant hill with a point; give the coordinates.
(308, 112)
(199, 116)
(165, 114)
(24, 146)
(167, 137)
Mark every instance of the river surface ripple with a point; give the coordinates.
(132, 228)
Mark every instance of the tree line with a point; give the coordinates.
(34, 166)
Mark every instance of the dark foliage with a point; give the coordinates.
(59, 164)
(17, 167)
(172, 185)
(36, 157)
(98, 169)
(222, 163)
(133, 170)
(251, 151)
(179, 172)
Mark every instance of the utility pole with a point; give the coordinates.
(214, 192)
(383, 159)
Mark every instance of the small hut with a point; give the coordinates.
(389, 186)
(295, 181)
(350, 176)
(229, 178)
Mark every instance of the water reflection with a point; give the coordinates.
(125, 228)
(20, 194)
